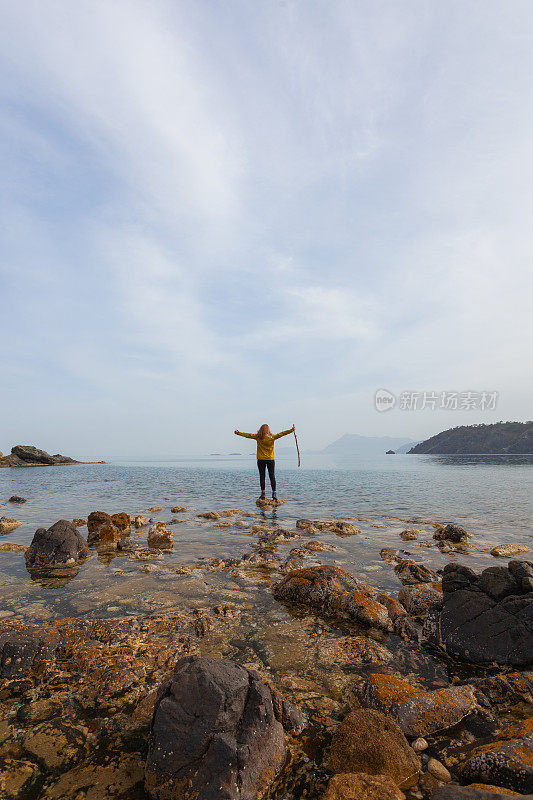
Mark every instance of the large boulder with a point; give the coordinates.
(60, 545)
(417, 711)
(333, 592)
(368, 741)
(214, 734)
(487, 617)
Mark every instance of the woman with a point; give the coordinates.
(265, 455)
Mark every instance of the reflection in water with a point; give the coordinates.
(53, 578)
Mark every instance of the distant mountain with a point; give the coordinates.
(501, 437)
(406, 447)
(366, 445)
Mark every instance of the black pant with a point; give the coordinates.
(262, 464)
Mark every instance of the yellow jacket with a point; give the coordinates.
(265, 447)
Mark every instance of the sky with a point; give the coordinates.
(219, 214)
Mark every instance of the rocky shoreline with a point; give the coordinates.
(25, 455)
(350, 693)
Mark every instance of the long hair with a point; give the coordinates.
(263, 431)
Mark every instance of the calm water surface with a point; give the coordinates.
(490, 496)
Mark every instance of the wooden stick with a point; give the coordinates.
(297, 448)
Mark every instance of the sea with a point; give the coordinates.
(382, 495)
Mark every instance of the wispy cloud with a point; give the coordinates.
(212, 204)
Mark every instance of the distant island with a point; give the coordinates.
(26, 455)
(501, 437)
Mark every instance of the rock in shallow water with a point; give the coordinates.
(214, 734)
(60, 545)
(333, 592)
(8, 524)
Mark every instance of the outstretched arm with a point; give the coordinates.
(283, 433)
(246, 435)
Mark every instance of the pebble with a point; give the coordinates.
(419, 745)
(438, 771)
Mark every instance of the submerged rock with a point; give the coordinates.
(56, 744)
(508, 550)
(418, 712)
(214, 734)
(8, 524)
(140, 521)
(368, 741)
(178, 509)
(410, 534)
(359, 786)
(78, 522)
(60, 545)
(119, 777)
(338, 526)
(333, 592)
(16, 498)
(486, 617)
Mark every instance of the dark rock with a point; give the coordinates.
(24, 652)
(451, 533)
(214, 734)
(16, 498)
(30, 453)
(367, 741)
(505, 760)
(60, 545)
(333, 592)
(487, 617)
(411, 573)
